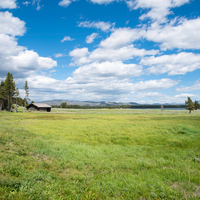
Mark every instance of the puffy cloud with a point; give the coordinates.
(91, 38)
(57, 55)
(99, 89)
(11, 25)
(14, 58)
(153, 85)
(184, 35)
(142, 95)
(179, 33)
(67, 38)
(196, 86)
(104, 26)
(78, 53)
(158, 9)
(8, 46)
(121, 37)
(65, 3)
(172, 64)
(185, 95)
(82, 56)
(8, 4)
(152, 97)
(24, 63)
(123, 53)
(108, 69)
(89, 87)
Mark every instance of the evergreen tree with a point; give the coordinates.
(189, 105)
(2, 95)
(26, 94)
(196, 105)
(63, 105)
(9, 89)
(16, 96)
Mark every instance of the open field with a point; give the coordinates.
(100, 154)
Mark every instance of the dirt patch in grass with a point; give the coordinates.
(175, 185)
(40, 157)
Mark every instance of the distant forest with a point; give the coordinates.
(146, 106)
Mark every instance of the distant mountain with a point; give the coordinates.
(101, 103)
(173, 103)
(87, 103)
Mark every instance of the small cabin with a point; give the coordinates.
(43, 107)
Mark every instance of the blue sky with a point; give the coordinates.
(145, 51)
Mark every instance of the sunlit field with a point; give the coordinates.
(100, 154)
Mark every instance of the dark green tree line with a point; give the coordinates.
(9, 94)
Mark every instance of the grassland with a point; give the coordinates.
(100, 154)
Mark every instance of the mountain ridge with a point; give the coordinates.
(99, 103)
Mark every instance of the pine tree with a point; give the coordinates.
(2, 95)
(196, 105)
(16, 96)
(26, 94)
(9, 89)
(189, 105)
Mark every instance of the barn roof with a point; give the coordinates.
(41, 105)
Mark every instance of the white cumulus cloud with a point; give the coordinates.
(78, 53)
(196, 86)
(57, 55)
(8, 4)
(83, 56)
(104, 26)
(152, 97)
(153, 85)
(14, 58)
(91, 38)
(172, 64)
(121, 37)
(65, 3)
(179, 33)
(184, 35)
(89, 87)
(158, 9)
(11, 25)
(109, 69)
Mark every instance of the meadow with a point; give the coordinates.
(100, 154)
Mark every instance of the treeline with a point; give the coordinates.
(190, 105)
(64, 105)
(9, 94)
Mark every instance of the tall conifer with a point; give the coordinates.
(9, 89)
(26, 94)
(189, 105)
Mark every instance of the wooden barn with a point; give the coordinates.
(39, 106)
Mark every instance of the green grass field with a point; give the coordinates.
(100, 154)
